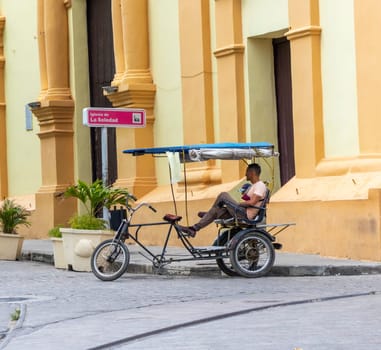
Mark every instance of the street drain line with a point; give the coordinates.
(126, 340)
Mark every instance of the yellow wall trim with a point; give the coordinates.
(341, 166)
(230, 50)
(302, 32)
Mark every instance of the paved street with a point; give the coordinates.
(70, 310)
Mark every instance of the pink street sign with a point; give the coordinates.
(114, 117)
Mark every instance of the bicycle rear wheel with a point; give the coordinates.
(110, 260)
(253, 255)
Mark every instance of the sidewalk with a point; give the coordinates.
(286, 264)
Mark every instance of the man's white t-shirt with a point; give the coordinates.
(259, 188)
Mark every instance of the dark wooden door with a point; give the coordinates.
(102, 70)
(283, 90)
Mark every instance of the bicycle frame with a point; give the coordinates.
(159, 260)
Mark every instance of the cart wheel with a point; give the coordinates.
(253, 255)
(110, 260)
(224, 263)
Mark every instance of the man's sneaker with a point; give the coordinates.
(201, 214)
(188, 230)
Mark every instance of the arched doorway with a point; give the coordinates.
(283, 91)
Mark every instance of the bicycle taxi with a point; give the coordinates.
(242, 247)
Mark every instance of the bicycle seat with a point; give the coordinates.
(172, 218)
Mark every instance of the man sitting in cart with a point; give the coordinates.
(225, 206)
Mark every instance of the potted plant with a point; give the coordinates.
(58, 250)
(88, 230)
(12, 215)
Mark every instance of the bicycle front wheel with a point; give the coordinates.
(110, 260)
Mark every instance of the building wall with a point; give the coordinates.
(166, 70)
(334, 197)
(339, 78)
(33, 169)
(204, 71)
(261, 17)
(21, 87)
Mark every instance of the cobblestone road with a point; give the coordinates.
(69, 310)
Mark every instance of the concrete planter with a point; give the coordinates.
(79, 245)
(59, 255)
(10, 246)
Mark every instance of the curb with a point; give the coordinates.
(330, 270)
(207, 271)
(175, 271)
(46, 258)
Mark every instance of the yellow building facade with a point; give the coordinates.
(205, 71)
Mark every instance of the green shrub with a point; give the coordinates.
(55, 232)
(87, 222)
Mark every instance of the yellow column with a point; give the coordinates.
(135, 89)
(42, 48)
(135, 38)
(196, 83)
(54, 49)
(117, 27)
(368, 55)
(55, 116)
(3, 134)
(304, 36)
(229, 53)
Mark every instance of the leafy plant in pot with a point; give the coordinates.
(94, 197)
(12, 215)
(87, 230)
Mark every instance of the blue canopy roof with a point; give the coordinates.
(226, 150)
(186, 148)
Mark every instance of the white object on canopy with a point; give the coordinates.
(198, 155)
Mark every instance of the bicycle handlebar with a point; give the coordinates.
(143, 204)
(131, 196)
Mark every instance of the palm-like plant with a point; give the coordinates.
(94, 197)
(13, 215)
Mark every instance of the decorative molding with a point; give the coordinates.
(136, 76)
(134, 96)
(2, 22)
(55, 121)
(49, 189)
(229, 50)
(293, 34)
(67, 3)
